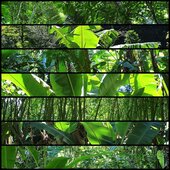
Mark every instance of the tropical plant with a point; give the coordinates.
(85, 61)
(86, 85)
(85, 133)
(84, 36)
(105, 157)
(60, 12)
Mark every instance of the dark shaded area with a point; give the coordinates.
(147, 33)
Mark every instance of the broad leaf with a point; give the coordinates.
(143, 132)
(98, 133)
(8, 155)
(66, 84)
(68, 127)
(147, 83)
(84, 37)
(111, 82)
(30, 84)
(53, 131)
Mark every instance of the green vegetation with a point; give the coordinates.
(86, 12)
(85, 85)
(85, 133)
(84, 36)
(76, 109)
(105, 157)
(86, 73)
(85, 60)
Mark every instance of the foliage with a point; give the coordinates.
(66, 12)
(86, 133)
(83, 36)
(88, 85)
(112, 99)
(72, 109)
(85, 60)
(105, 157)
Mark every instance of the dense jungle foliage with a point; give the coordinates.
(85, 12)
(59, 109)
(84, 36)
(84, 84)
(87, 73)
(105, 157)
(85, 133)
(96, 61)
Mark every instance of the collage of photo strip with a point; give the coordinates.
(85, 84)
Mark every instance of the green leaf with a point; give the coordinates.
(66, 84)
(108, 37)
(122, 128)
(160, 157)
(68, 127)
(53, 131)
(84, 37)
(138, 45)
(29, 83)
(59, 162)
(62, 35)
(148, 82)
(111, 82)
(139, 92)
(74, 163)
(143, 132)
(8, 155)
(99, 133)
(34, 153)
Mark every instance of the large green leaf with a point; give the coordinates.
(53, 131)
(59, 162)
(84, 37)
(8, 155)
(68, 127)
(111, 82)
(148, 82)
(66, 84)
(29, 83)
(143, 132)
(99, 133)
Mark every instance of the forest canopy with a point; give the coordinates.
(88, 12)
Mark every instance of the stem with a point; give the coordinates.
(97, 111)
(19, 12)
(149, 4)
